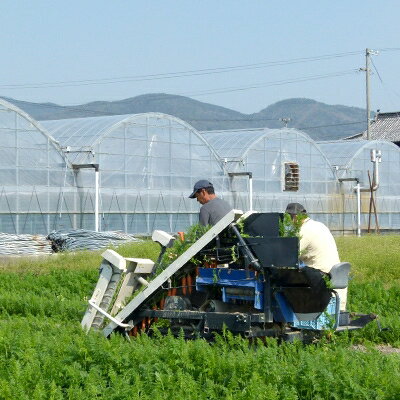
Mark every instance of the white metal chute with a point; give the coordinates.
(165, 275)
(104, 279)
(136, 270)
(119, 278)
(110, 317)
(111, 269)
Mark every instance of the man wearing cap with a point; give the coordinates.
(317, 245)
(213, 208)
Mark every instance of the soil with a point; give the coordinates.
(382, 348)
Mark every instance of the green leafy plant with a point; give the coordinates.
(215, 275)
(289, 227)
(240, 225)
(327, 281)
(194, 233)
(44, 353)
(234, 253)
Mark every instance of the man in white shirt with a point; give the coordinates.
(317, 245)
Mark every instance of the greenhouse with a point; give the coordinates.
(147, 165)
(133, 173)
(37, 184)
(286, 165)
(373, 163)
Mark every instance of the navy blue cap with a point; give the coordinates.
(202, 184)
(295, 208)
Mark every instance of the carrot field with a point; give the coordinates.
(44, 354)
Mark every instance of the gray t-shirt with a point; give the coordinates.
(213, 211)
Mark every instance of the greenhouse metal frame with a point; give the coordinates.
(355, 160)
(148, 164)
(37, 184)
(134, 173)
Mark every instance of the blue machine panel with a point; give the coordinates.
(228, 280)
(328, 319)
(325, 320)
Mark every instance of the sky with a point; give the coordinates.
(243, 55)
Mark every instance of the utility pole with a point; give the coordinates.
(368, 53)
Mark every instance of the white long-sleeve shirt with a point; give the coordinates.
(317, 246)
(318, 250)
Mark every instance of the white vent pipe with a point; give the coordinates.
(376, 158)
(96, 201)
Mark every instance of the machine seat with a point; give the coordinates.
(304, 289)
(339, 275)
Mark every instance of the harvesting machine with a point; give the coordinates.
(240, 275)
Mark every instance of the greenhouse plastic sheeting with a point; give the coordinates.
(148, 164)
(353, 160)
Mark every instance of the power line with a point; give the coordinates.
(389, 49)
(276, 119)
(376, 70)
(272, 119)
(179, 74)
(390, 89)
(231, 119)
(208, 92)
(273, 83)
(238, 120)
(326, 126)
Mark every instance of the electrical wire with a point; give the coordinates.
(389, 90)
(273, 83)
(389, 49)
(179, 74)
(208, 92)
(191, 73)
(376, 70)
(230, 119)
(330, 125)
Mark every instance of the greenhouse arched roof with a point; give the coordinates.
(12, 107)
(82, 132)
(86, 132)
(236, 143)
(233, 143)
(343, 152)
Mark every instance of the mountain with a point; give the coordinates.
(321, 121)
